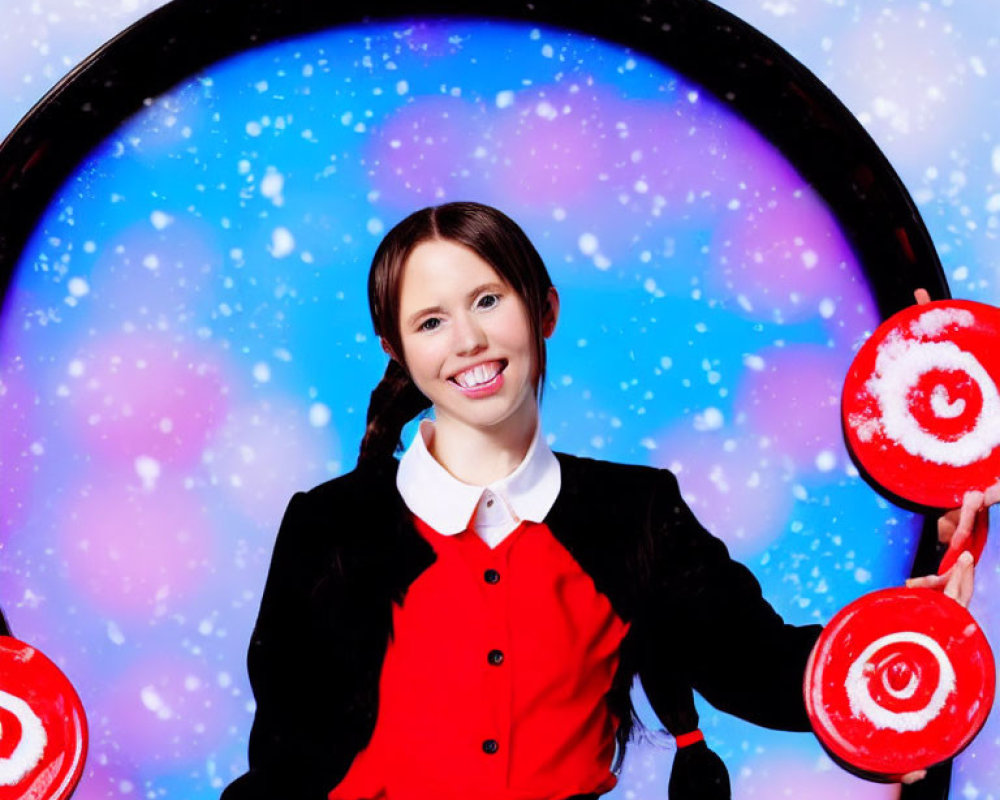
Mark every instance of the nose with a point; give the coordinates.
(470, 338)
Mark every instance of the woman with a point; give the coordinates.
(468, 623)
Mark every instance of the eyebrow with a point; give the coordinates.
(491, 286)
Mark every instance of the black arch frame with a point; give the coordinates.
(742, 68)
(737, 64)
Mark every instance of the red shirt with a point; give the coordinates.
(494, 684)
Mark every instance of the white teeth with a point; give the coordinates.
(477, 376)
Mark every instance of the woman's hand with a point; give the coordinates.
(956, 527)
(956, 583)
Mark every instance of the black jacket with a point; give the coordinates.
(347, 550)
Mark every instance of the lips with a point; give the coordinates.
(479, 375)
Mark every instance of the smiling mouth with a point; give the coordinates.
(479, 374)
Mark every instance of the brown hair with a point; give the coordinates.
(491, 235)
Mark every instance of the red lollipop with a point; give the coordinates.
(900, 680)
(43, 729)
(921, 409)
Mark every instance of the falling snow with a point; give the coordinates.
(248, 276)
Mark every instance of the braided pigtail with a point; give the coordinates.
(394, 402)
(698, 771)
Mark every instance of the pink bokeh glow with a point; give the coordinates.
(556, 146)
(264, 453)
(132, 551)
(17, 403)
(136, 396)
(775, 775)
(425, 152)
(169, 707)
(556, 143)
(736, 488)
(794, 403)
(784, 254)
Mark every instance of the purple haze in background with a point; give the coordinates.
(186, 343)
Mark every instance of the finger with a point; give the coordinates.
(921, 296)
(946, 525)
(951, 520)
(913, 777)
(971, 504)
(958, 585)
(968, 582)
(992, 495)
(927, 581)
(954, 582)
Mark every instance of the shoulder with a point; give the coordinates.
(365, 486)
(635, 483)
(641, 507)
(612, 518)
(355, 525)
(340, 511)
(601, 496)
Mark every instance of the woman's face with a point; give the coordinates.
(466, 339)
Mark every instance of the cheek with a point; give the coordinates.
(527, 344)
(422, 356)
(515, 331)
(517, 340)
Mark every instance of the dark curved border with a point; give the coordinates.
(741, 67)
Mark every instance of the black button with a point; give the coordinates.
(495, 657)
(490, 746)
(491, 576)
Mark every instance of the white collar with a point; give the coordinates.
(447, 504)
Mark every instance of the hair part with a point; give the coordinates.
(497, 240)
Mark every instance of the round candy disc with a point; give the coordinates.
(43, 730)
(921, 410)
(900, 680)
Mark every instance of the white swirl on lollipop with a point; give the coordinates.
(30, 747)
(899, 366)
(943, 407)
(860, 698)
(935, 320)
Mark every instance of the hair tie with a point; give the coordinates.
(687, 739)
(698, 772)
